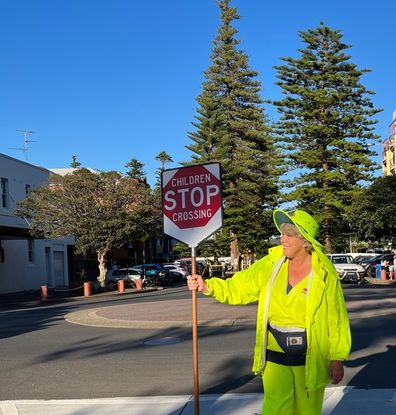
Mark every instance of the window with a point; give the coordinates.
(4, 192)
(27, 189)
(31, 251)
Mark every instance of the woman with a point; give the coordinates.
(385, 268)
(302, 333)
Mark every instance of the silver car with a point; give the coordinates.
(127, 274)
(347, 269)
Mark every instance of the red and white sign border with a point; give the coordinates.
(193, 236)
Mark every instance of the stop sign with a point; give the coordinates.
(192, 202)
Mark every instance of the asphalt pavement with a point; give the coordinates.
(339, 400)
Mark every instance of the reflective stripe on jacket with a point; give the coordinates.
(327, 323)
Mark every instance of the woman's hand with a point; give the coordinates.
(336, 371)
(196, 283)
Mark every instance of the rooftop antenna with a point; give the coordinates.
(26, 141)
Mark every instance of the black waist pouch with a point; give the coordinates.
(292, 340)
(286, 359)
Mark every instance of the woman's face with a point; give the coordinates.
(293, 245)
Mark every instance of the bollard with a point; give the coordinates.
(121, 286)
(87, 289)
(378, 271)
(138, 284)
(44, 292)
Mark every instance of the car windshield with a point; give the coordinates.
(342, 259)
(377, 259)
(364, 258)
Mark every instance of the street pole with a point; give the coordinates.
(195, 332)
(191, 221)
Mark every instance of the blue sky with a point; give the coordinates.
(111, 80)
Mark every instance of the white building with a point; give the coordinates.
(389, 150)
(27, 263)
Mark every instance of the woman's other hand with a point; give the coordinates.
(196, 283)
(336, 371)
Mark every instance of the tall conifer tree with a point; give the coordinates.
(325, 124)
(231, 128)
(135, 169)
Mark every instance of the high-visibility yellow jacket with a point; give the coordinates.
(327, 323)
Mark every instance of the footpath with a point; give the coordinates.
(339, 400)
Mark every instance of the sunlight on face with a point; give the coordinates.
(289, 229)
(292, 241)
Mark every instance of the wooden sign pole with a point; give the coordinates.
(195, 332)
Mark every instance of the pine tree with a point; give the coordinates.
(231, 128)
(164, 158)
(135, 169)
(325, 124)
(75, 163)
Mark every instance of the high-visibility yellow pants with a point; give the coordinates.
(285, 394)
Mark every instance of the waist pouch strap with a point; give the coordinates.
(286, 359)
(291, 342)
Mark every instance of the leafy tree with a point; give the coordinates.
(231, 128)
(325, 124)
(182, 250)
(135, 169)
(75, 163)
(374, 211)
(102, 210)
(218, 245)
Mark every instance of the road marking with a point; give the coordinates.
(8, 409)
(336, 394)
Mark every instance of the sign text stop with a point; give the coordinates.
(192, 202)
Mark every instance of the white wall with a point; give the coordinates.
(19, 174)
(48, 265)
(17, 273)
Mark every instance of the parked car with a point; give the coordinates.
(347, 270)
(129, 275)
(371, 267)
(154, 274)
(184, 263)
(201, 265)
(177, 272)
(363, 260)
(354, 255)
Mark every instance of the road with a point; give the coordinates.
(42, 356)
